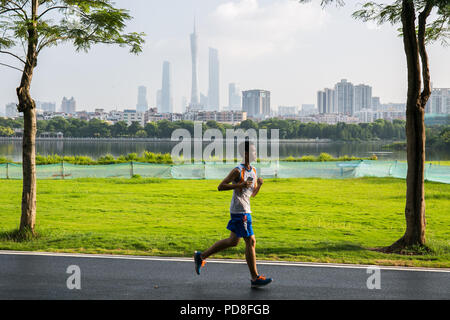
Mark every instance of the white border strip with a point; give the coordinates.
(235, 261)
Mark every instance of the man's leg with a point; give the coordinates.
(250, 255)
(220, 245)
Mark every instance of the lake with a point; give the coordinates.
(94, 149)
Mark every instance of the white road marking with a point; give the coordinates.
(231, 261)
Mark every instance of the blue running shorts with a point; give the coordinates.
(241, 224)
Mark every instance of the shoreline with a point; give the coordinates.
(165, 140)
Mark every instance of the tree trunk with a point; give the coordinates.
(28, 107)
(28, 219)
(415, 135)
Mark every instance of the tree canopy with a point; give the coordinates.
(79, 22)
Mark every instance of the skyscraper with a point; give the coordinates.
(330, 100)
(363, 97)
(321, 102)
(344, 97)
(194, 44)
(166, 90)
(213, 91)
(142, 104)
(256, 103)
(234, 97)
(325, 101)
(439, 101)
(68, 105)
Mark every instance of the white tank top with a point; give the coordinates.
(240, 202)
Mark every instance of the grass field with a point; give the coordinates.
(315, 220)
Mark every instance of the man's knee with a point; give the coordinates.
(250, 241)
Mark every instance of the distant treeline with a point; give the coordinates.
(437, 137)
(289, 129)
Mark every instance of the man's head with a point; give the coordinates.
(247, 150)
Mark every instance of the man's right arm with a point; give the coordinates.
(232, 176)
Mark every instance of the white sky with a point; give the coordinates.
(291, 49)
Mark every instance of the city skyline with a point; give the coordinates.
(251, 54)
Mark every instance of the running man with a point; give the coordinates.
(245, 184)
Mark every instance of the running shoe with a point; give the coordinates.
(199, 262)
(260, 281)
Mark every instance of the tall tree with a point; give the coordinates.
(40, 24)
(433, 23)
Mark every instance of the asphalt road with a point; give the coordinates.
(44, 276)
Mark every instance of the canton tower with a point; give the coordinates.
(194, 92)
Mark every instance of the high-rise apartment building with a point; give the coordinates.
(344, 97)
(363, 97)
(321, 102)
(68, 105)
(439, 101)
(325, 101)
(256, 103)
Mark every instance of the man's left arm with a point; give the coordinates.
(259, 183)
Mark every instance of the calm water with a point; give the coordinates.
(95, 149)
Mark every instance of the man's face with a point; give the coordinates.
(252, 154)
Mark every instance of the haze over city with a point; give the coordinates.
(290, 49)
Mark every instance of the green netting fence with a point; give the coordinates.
(211, 170)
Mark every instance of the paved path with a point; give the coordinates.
(26, 275)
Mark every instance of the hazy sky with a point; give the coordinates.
(291, 49)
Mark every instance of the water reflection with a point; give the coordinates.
(95, 149)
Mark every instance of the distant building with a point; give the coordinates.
(194, 91)
(166, 90)
(376, 103)
(234, 97)
(330, 101)
(288, 111)
(230, 117)
(308, 109)
(213, 91)
(11, 110)
(439, 101)
(142, 104)
(130, 116)
(326, 101)
(46, 106)
(321, 102)
(256, 103)
(344, 97)
(363, 97)
(68, 105)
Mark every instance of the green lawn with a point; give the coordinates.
(316, 220)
